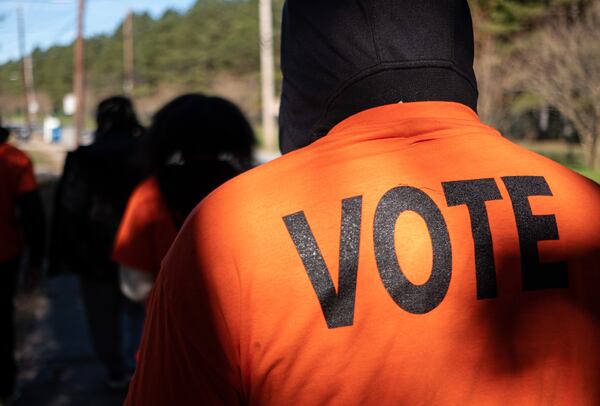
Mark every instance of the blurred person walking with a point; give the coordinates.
(195, 144)
(22, 225)
(401, 252)
(90, 200)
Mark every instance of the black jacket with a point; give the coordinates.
(90, 200)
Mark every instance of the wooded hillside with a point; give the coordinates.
(193, 51)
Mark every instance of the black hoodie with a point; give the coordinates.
(340, 57)
(90, 200)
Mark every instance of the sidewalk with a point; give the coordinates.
(57, 365)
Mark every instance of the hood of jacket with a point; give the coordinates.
(340, 57)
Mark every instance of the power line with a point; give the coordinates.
(68, 26)
(45, 2)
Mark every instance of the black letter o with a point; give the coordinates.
(417, 299)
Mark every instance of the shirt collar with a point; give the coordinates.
(407, 119)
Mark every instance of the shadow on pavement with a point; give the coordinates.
(56, 362)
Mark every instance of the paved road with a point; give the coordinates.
(57, 365)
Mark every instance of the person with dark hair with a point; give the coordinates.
(400, 252)
(90, 200)
(195, 144)
(22, 225)
(116, 115)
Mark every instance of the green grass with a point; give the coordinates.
(569, 156)
(593, 175)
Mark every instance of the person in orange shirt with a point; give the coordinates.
(400, 252)
(21, 224)
(195, 144)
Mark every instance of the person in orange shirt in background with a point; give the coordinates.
(400, 252)
(195, 144)
(21, 215)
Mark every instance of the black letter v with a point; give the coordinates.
(338, 308)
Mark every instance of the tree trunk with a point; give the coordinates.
(591, 150)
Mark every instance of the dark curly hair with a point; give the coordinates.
(195, 124)
(195, 144)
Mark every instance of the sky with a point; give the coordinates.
(52, 22)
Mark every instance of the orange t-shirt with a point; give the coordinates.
(16, 179)
(146, 231)
(411, 256)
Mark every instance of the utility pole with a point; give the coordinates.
(267, 73)
(27, 73)
(128, 59)
(2, 16)
(78, 76)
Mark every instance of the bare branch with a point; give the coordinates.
(563, 67)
